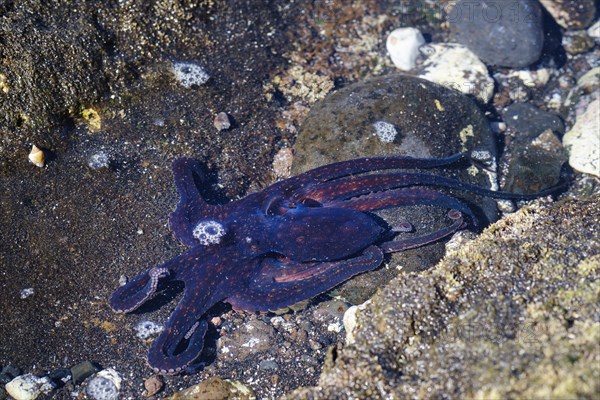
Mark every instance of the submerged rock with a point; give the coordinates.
(513, 313)
(397, 115)
(501, 33)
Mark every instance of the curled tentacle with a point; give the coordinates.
(405, 244)
(137, 291)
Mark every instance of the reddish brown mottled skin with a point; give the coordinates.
(297, 238)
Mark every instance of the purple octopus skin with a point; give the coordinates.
(292, 241)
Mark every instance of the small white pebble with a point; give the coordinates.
(403, 46)
(221, 121)
(189, 74)
(98, 160)
(25, 293)
(28, 387)
(385, 131)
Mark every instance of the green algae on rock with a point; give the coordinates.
(512, 314)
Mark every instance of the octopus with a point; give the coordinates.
(294, 240)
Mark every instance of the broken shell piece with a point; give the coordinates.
(37, 156)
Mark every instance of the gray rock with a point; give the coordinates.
(501, 33)
(429, 120)
(512, 314)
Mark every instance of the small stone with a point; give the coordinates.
(282, 163)
(403, 47)
(268, 365)
(594, 31)
(350, 321)
(501, 33)
(105, 385)
(577, 42)
(216, 388)
(571, 14)
(92, 119)
(37, 156)
(221, 121)
(25, 293)
(29, 387)
(583, 141)
(98, 160)
(189, 74)
(153, 385)
(456, 67)
(82, 370)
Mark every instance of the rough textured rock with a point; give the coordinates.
(536, 153)
(501, 33)
(571, 14)
(513, 313)
(429, 120)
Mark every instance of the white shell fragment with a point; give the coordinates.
(37, 156)
(403, 46)
(28, 387)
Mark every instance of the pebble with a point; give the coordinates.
(350, 321)
(216, 388)
(153, 385)
(37, 156)
(247, 341)
(571, 14)
(594, 31)
(98, 160)
(105, 385)
(222, 121)
(189, 74)
(268, 365)
(403, 47)
(577, 42)
(501, 33)
(83, 370)
(455, 66)
(282, 162)
(583, 141)
(29, 387)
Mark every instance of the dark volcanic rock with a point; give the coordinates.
(501, 33)
(397, 115)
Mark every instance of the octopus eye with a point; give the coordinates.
(209, 232)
